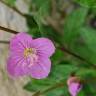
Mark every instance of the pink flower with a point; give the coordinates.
(73, 86)
(30, 56)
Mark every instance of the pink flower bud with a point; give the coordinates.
(73, 86)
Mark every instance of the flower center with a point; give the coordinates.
(29, 51)
(31, 56)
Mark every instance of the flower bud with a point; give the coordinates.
(74, 85)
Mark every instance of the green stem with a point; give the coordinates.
(4, 42)
(8, 30)
(77, 56)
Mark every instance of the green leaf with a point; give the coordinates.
(89, 36)
(59, 92)
(57, 57)
(31, 21)
(35, 22)
(87, 90)
(29, 86)
(87, 50)
(34, 32)
(39, 3)
(85, 47)
(86, 74)
(33, 26)
(40, 18)
(87, 3)
(43, 10)
(73, 29)
(88, 87)
(62, 71)
(58, 73)
(49, 32)
(73, 23)
(35, 85)
(41, 14)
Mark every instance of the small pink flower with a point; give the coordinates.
(73, 86)
(30, 56)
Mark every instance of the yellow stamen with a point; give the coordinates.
(29, 51)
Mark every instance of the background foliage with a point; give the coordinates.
(71, 25)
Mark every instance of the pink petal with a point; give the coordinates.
(44, 46)
(41, 69)
(19, 42)
(73, 89)
(16, 66)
